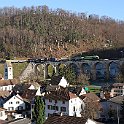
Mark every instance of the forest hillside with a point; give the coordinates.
(40, 31)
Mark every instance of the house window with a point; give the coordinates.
(20, 108)
(10, 102)
(63, 102)
(6, 74)
(6, 70)
(17, 102)
(56, 108)
(53, 107)
(5, 88)
(74, 108)
(10, 108)
(1, 114)
(49, 107)
(50, 100)
(63, 109)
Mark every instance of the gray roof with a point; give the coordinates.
(117, 99)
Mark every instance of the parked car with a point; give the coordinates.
(64, 59)
(18, 116)
(52, 59)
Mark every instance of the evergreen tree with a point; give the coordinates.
(39, 110)
(69, 74)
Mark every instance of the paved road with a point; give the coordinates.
(21, 121)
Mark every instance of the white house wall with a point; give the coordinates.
(6, 88)
(59, 104)
(77, 103)
(117, 91)
(12, 102)
(3, 116)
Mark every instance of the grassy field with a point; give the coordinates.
(2, 69)
(18, 68)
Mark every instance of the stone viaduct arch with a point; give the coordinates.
(106, 69)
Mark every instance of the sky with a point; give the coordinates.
(110, 8)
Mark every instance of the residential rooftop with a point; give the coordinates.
(117, 99)
(65, 120)
(8, 82)
(60, 94)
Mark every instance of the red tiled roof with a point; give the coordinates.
(21, 87)
(2, 109)
(72, 95)
(92, 100)
(8, 82)
(4, 93)
(90, 96)
(29, 94)
(65, 120)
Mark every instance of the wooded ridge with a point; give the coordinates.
(40, 31)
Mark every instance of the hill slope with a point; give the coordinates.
(40, 31)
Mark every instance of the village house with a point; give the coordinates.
(78, 90)
(112, 105)
(53, 85)
(117, 89)
(17, 106)
(62, 102)
(61, 81)
(7, 85)
(23, 87)
(3, 115)
(14, 102)
(92, 103)
(58, 80)
(19, 102)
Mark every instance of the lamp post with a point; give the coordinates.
(117, 114)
